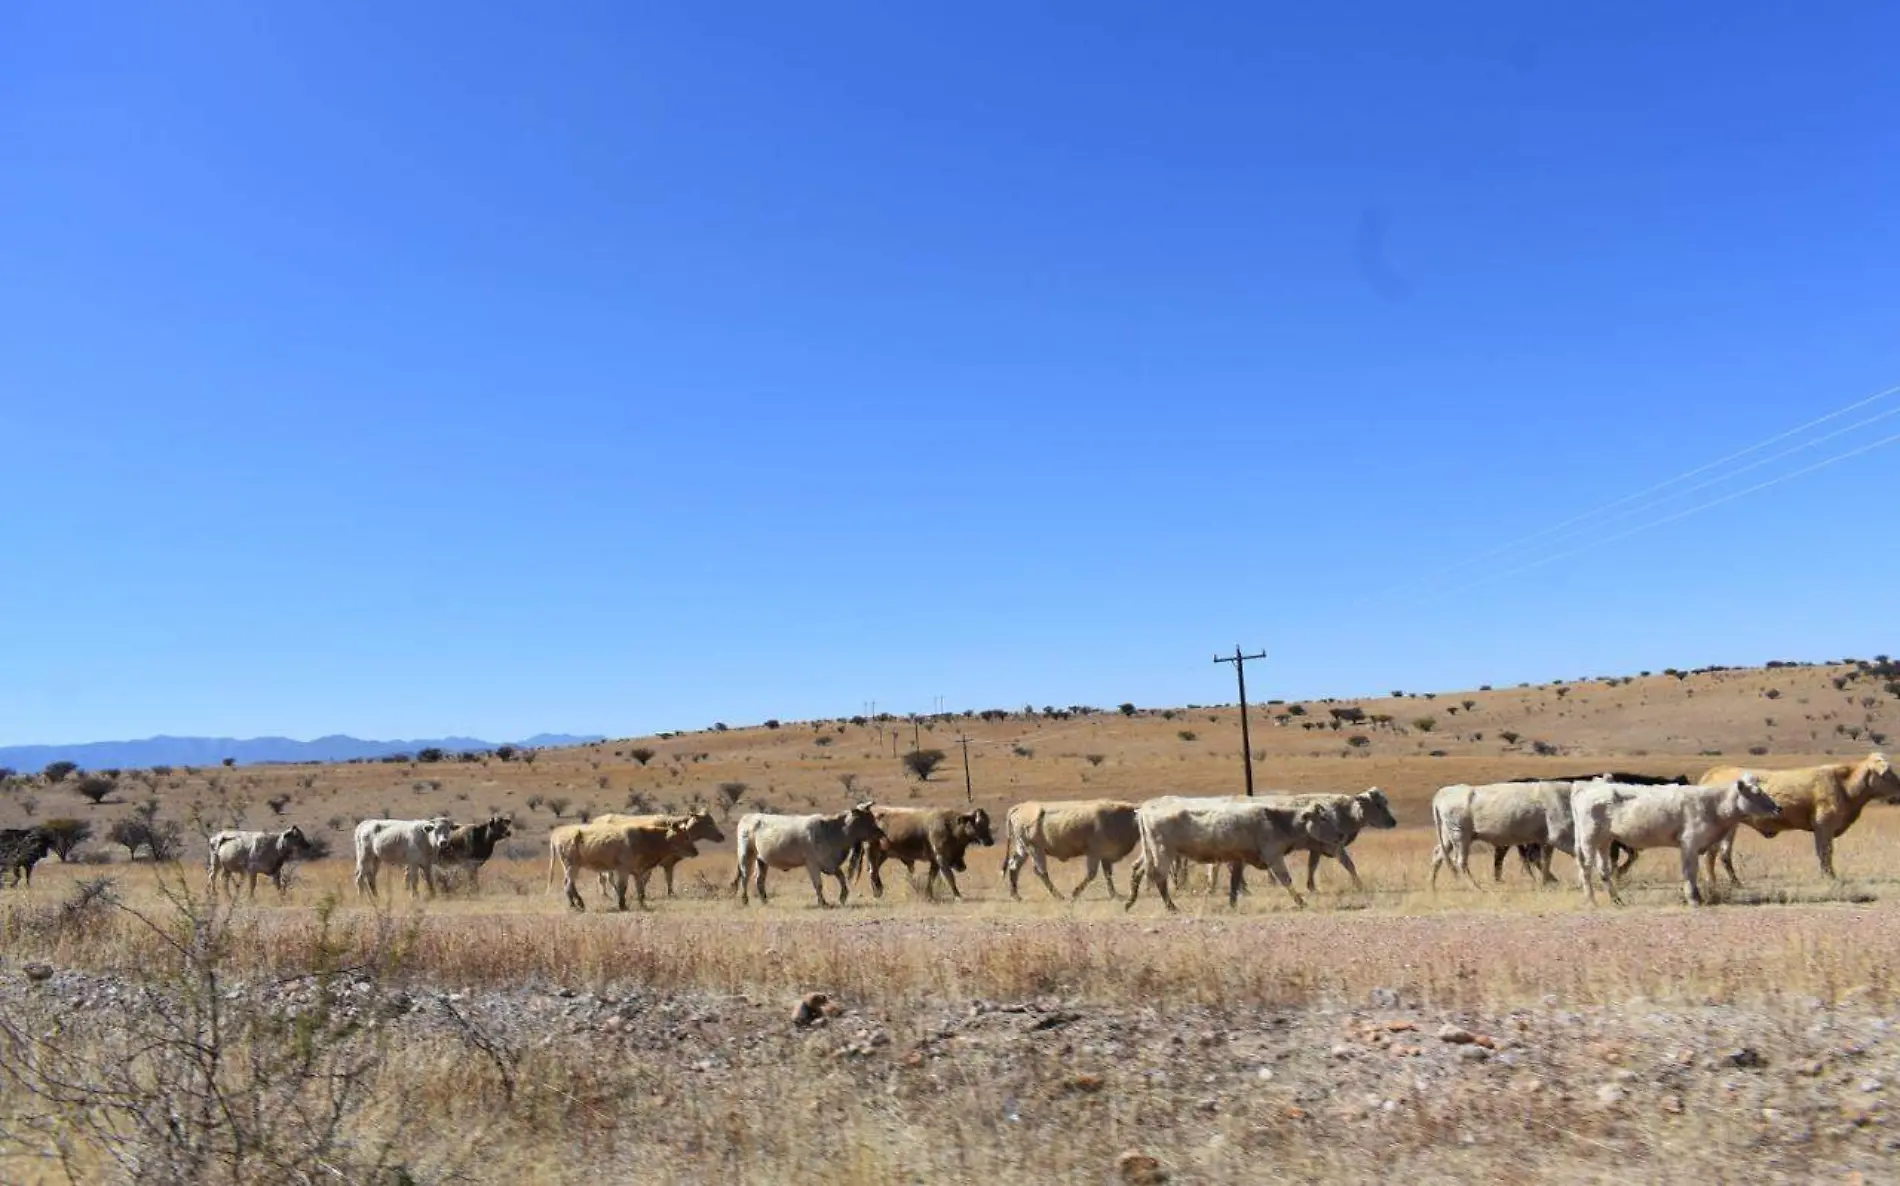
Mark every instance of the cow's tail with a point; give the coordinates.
(553, 850)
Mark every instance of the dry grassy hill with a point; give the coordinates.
(1665, 723)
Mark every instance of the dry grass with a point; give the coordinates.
(746, 1099)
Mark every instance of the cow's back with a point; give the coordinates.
(1801, 793)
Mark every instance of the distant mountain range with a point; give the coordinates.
(209, 751)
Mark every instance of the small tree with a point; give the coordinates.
(1186, 734)
(731, 793)
(1424, 724)
(429, 754)
(1095, 759)
(57, 771)
(229, 762)
(558, 805)
(277, 803)
(94, 789)
(642, 754)
(1510, 738)
(65, 835)
(1359, 741)
(921, 762)
(505, 752)
(849, 782)
(1127, 709)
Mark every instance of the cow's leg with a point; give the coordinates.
(949, 877)
(1312, 869)
(1728, 859)
(1108, 875)
(762, 867)
(428, 876)
(1464, 861)
(1277, 867)
(620, 889)
(640, 888)
(844, 888)
(667, 871)
(1088, 875)
(253, 885)
(1438, 861)
(817, 880)
(574, 898)
(1584, 879)
(876, 859)
(1545, 853)
(1606, 870)
(1691, 861)
(1345, 862)
(1824, 849)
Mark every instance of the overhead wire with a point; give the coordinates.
(1564, 527)
(1682, 514)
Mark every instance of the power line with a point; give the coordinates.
(1682, 514)
(1627, 499)
(1730, 475)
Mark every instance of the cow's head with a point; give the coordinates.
(973, 827)
(679, 836)
(293, 842)
(441, 831)
(700, 826)
(1880, 778)
(1374, 810)
(1755, 801)
(500, 827)
(860, 825)
(1317, 822)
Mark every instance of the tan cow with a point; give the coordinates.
(1101, 831)
(938, 837)
(817, 843)
(666, 866)
(1224, 831)
(623, 850)
(1824, 800)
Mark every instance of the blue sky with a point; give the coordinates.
(411, 369)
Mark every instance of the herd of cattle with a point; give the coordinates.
(1602, 821)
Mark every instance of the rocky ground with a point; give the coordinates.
(690, 1081)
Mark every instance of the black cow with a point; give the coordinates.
(20, 850)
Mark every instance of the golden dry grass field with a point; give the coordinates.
(1499, 1033)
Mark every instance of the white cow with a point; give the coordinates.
(818, 843)
(1691, 819)
(416, 844)
(233, 853)
(1224, 831)
(1504, 815)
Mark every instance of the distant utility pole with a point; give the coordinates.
(1240, 672)
(916, 732)
(969, 795)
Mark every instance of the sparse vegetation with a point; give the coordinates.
(921, 762)
(94, 789)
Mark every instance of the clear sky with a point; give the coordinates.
(406, 369)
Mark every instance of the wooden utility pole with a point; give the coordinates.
(969, 795)
(1240, 672)
(916, 733)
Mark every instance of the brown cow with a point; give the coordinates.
(1824, 800)
(938, 837)
(1101, 831)
(473, 845)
